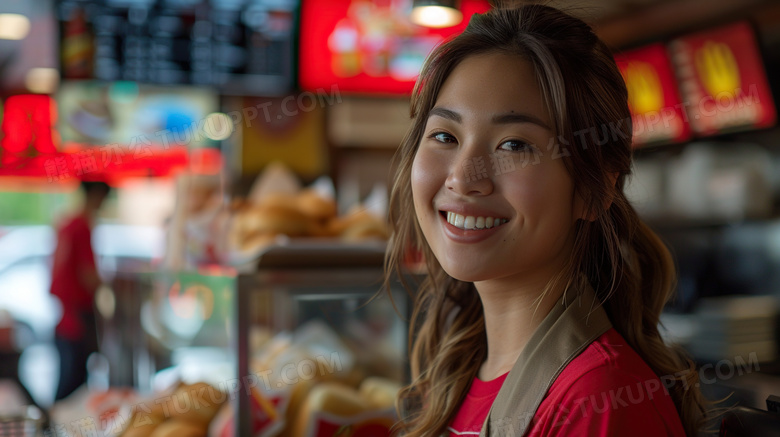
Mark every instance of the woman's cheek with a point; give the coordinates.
(418, 181)
(424, 177)
(524, 190)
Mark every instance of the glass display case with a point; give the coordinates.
(167, 325)
(321, 345)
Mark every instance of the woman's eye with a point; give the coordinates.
(443, 137)
(514, 146)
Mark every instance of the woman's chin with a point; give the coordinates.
(461, 273)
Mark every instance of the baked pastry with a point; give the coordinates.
(379, 392)
(196, 404)
(311, 203)
(304, 214)
(277, 219)
(144, 421)
(332, 398)
(366, 229)
(179, 428)
(359, 224)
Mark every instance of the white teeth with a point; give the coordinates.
(459, 220)
(471, 222)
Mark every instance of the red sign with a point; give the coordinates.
(110, 164)
(28, 120)
(657, 114)
(28, 149)
(367, 46)
(378, 423)
(723, 80)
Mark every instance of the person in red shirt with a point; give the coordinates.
(540, 309)
(74, 281)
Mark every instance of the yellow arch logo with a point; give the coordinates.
(718, 70)
(645, 93)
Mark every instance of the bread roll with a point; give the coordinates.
(299, 394)
(179, 428)
(196, 403)
(311, 203)
(144, 421)
(279, 200)
(359, 224)
(240, 227)
(365, 229)
(222, 424)
(139, 431)
(279, 220)
(332, 398)
(379, 392)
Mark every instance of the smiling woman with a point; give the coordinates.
(476, 121)
(544, 287)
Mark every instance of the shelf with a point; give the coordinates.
(682, 224)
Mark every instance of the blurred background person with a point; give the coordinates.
(74, 282)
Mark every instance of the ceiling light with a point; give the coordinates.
(14, 26)
(436, 13)
(218, 126)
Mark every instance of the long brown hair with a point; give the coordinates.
(628, 266)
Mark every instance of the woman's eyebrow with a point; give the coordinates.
(507, 118)
(445, 113)
(514, 117)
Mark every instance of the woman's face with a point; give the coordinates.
(491, 193)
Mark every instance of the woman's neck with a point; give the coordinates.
(513, 310)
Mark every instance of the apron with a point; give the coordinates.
(573, 324)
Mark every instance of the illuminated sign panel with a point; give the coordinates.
(368, 46)
(152, 135)
(723, 80)
(28, 121)
(657, 113)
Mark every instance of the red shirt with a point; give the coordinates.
(72, 255)
(606, 390)
(475, 407)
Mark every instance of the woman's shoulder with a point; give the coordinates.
(608, 358)
(608, 364)
(609, 386)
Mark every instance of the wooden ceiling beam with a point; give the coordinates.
(666, 18)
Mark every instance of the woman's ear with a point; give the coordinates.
(580, 207)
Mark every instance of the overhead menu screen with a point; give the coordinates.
(242, 47)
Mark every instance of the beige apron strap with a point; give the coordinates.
(561, 336)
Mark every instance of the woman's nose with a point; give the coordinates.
(470, 174)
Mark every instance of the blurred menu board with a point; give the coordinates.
(368, 46)
(97, 113)
(657, 114)
(242, 47)
(723, 81)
